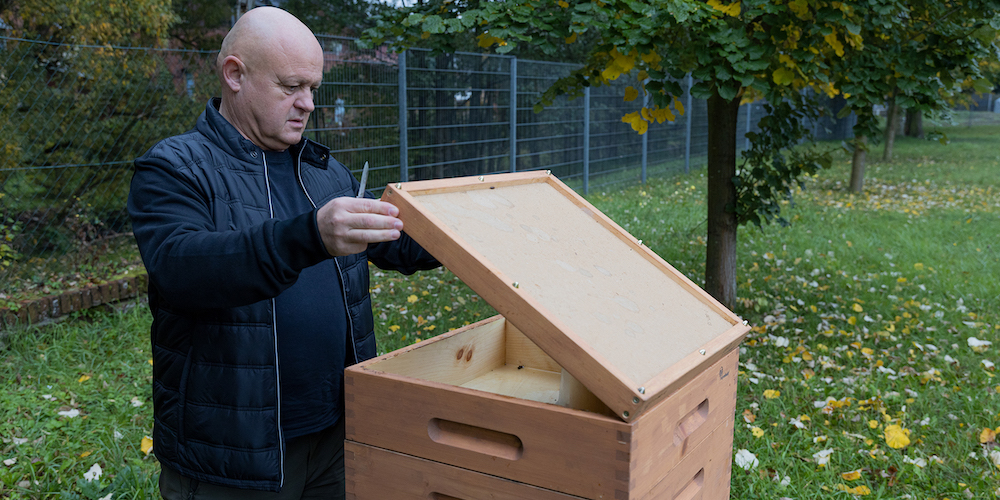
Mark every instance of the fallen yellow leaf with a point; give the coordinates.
(85, 454)
(851, 476)
(147, 445)
(861, 490)
(757, 432)
(84, 379)
(987, 436)
(857, 308)
(771, 394)
(896, 436)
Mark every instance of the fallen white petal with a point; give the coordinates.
(974, 342)
(746, 459)
(10, 461)
(70, 413)
(94, 473)
(822, 457)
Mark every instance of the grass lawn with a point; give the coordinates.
(865, 374)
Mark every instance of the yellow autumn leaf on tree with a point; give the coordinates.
(563, 3)
(896, 437)
(630, 93)
(771, 394)
(838, 47)
(678, 106)
(732, 9)
(652, 58)
(636, 121)
(783, 76)
(620, 64)
(987, 436)
(486, 40)
(800, 8)
(146, 445)
(851, 476)
(570, 39)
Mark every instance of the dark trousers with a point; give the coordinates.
(314, 468)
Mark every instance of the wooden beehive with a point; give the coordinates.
(607, 374)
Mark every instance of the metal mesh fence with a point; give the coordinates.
(72, 119)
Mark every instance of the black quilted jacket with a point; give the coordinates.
(201, 215)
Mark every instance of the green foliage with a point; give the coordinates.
(918, 54)
(754, 49)
(344, 18)
(8, 229)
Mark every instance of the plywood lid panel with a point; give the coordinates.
(614, 300)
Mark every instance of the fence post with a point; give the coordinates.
(746, 142)
(687, 127)
(586, 140)
(404, 174)
(513, 114)
(645, 144)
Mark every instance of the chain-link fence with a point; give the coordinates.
(73, 118)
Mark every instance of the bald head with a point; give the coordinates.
(268, 65)
(265, 32)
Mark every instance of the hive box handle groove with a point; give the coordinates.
(475, 439)
(690, 492)
(690, 423)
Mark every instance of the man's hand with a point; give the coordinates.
(348, 225)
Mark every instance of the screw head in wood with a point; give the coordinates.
(702, 352)
(399, 185)
(642, 390)
(481, 178)
(635, 400)
(517, 285)
(625, 414)
(746, 323)
(639, 242)
(548, 172)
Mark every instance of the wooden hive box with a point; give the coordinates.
(607, 374)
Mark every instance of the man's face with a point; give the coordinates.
(277, 97)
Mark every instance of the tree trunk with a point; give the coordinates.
(914, 123)
(858, 164)
(720, 257)
(891, 126)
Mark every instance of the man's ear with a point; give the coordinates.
(233, 71)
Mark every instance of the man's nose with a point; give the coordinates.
(305, 102)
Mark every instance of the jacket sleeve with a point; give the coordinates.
(404, 255)
(194, 264)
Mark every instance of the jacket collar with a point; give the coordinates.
(213, 125)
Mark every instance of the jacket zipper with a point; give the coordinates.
(340, 272)
(274, 331)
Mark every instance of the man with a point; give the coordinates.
(257, 255)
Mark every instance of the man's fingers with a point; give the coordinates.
(369, 206)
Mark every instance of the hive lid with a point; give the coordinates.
(616, 316)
